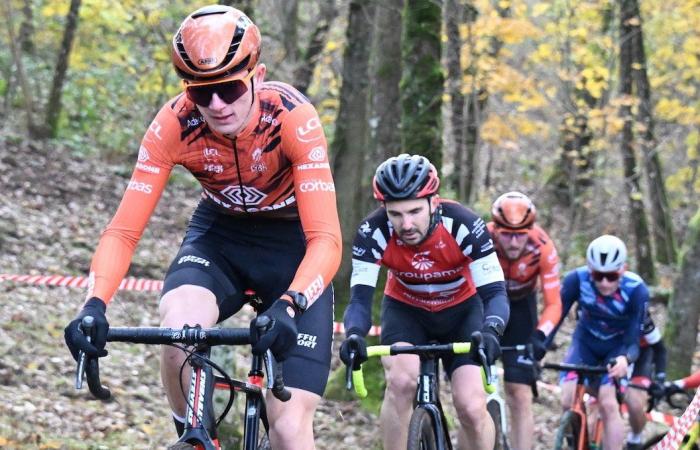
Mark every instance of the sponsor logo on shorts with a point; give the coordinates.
(317, 185)
(193, 259)
(140, 187)
(307, 340)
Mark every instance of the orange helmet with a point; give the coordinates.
(215, 43)
(513, 210)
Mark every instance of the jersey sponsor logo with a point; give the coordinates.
(365, 229)
(146, 168)
(307, 340)
(267, 118)
(194, 122)
(317, 185)
(214, 168)
(143, 154)
(303, 131)
(487, 246)
(315, 289)
(156, 128)
(421, 261)
(244, 195)
(258, 166)
(478, 227)
(358, 251)
(207, 61)
(139, 187)
(210, 153)
(440, 245)
(310, 166)
(193, 259)
(449, 273)
(317, 154)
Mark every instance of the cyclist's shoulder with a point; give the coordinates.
(454, 212)
(376, 219)
(282, 96)
(632, 281)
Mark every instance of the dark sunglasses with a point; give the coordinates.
(610, 276)
(229, 92)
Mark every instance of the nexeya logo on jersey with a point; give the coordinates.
(421, 261)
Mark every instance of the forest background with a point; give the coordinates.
(589, 107)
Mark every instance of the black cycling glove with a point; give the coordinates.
(77, 341)
(281, 335)
(491, 344)
(539, 348)
(354, 343)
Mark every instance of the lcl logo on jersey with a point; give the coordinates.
(243, 196)
(421, 261)
(311, 124)
(155, 128)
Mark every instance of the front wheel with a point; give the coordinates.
(494, 408)
(421, 431)
(569, 432)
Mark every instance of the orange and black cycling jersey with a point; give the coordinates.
(539, 261)
(277, 167)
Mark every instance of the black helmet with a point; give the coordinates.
(405, 177)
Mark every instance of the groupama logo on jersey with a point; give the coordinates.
(421, 261)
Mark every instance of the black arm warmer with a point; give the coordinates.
(358, 315)
(496, 306)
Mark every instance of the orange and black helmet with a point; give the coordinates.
(215, 43)
(513, 210)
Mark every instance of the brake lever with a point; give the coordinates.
(348, 371)
(86, 327)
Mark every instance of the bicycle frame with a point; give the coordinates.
(428, 398)
(200, 424)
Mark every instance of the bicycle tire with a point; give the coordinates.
(568, 432)
(494, 409)
(421, 431)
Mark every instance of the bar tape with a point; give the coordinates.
(127, 284)
(674, 437)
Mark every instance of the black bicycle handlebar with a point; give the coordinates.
(579, 368)
(191, 336)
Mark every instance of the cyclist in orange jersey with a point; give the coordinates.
(527, 255)
(267, 219)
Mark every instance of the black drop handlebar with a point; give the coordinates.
(190, 336)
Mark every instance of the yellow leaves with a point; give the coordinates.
(540, 9)
(331, 46)
(495, 130)
(672, 110)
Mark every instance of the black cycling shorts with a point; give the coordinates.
(227, 255)
(519, 368)
(644, 365)
(406, 323)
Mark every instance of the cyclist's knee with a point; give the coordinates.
(188, 304)
(400, 384)
(518, 394)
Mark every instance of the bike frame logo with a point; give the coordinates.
(243, 195)
(421, 261)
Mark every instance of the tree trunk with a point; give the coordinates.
(305, 68)
(17, 60)
(247, 6)
(386, 104)
(350, 143)
(289, 17)
(681, 329)
(422, 80)
(453, 16)
(660, 212)
(26, 29)
(645, 261)
(53, 109)
(474, 111)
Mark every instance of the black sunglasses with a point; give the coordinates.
(229, 92)
(610, 276)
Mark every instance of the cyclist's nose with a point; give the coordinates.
(216, 102)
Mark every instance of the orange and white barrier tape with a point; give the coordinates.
(127, 284)
(674, 437)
